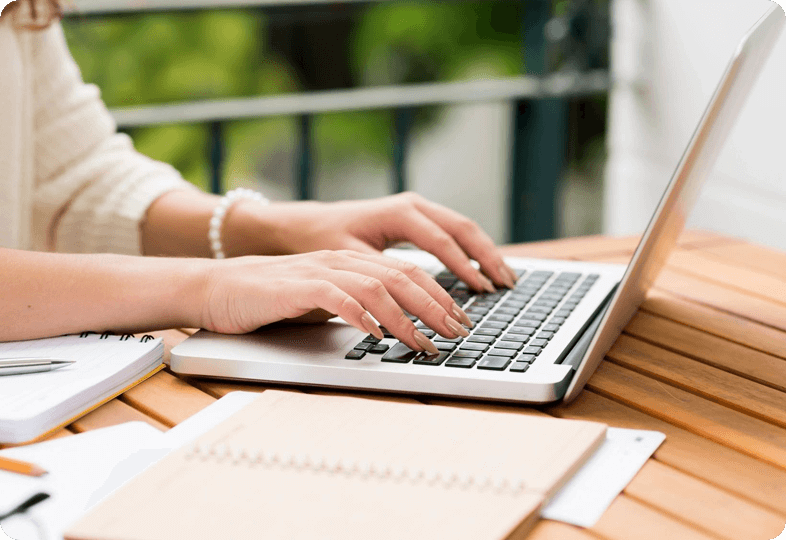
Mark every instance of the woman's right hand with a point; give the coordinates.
(244, 293)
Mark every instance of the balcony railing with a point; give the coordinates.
(540, 117)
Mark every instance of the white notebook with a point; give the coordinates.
(32, 405)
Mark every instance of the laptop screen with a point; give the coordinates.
(669, 219)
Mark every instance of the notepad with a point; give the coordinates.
(298, 466)
(35, 404)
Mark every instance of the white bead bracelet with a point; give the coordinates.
(214, 234)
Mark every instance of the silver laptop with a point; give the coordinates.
(537, 343)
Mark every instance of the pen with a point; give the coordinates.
(17, 366)
(21, 467)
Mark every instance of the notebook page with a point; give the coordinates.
(540, 452)
(27, 396)
(298, 466)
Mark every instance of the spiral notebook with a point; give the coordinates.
(296, 466)
(35, 404)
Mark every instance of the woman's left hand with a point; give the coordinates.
(369, 226)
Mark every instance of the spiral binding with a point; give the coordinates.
(362, 469)
(123, 337)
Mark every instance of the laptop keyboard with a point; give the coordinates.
(512, 327)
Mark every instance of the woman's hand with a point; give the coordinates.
(368, 227)
(244, 293)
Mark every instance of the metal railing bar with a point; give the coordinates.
(402, 123)
(108, 7)
(216, 157)
(382, 97)
(305, 155)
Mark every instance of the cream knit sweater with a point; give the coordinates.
(68, 181)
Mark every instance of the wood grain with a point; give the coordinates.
(693, 454)
(113, 413)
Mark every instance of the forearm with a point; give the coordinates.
(47, 294)
(178, 222)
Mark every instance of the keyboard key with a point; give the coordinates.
(513, 304)
(461, 362)
(467, 354)
(466, 346)
(482, 304)
(557, 320)
(526, 323)
(532, 350)
(449, 340)
(355, 355)
(363, 346)
(551, 327)
(519, 367)
(501, 318)
(475, 318)
(570, 275)
(445, 346)
(507, 311)
(546, 335)
(477, 310)
(494, 325)
(563, 312)
(518, 338)
(492, 332)
(540, 309)
(528, 358)
(400, 354)
(546, 303)
(385, 332)
(508, 353)
(428, 332)
(515, 345)
(570, 305)
(545, 274)
(521, 330)
(475, 338)
(535, 316)
(425, 359)
(537, 342)
(370, 339)
(496, 363)
(379, 348)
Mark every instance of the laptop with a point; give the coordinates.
(537, 343)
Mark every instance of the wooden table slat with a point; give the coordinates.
(167, 398)
(113, 413)
(719, 323)
(750, 256)
(694, 413)
(688, 498)
(708, 381)
(628, 518)
(714, 463)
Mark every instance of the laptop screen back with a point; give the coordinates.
(669, 219)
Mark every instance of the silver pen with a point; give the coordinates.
(19, 366)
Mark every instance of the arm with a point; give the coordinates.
(55, 294)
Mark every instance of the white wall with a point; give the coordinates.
(667, 57)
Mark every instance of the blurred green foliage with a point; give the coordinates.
(154, 58)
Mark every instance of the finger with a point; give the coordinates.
(424, 281)
(359, 246)
(472, 239)
(374, 297)
(319, 294)
(405, 292)
(417, 228)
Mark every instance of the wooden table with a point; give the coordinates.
(704, 361)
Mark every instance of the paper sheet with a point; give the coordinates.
(85, 468)
(591, 490)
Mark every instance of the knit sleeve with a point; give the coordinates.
(92, 188)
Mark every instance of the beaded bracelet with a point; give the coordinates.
(220, 211)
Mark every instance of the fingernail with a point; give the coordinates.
(503, 271)
(424, 342)
(455, 327)
(371, 327)
(462, 316)
(487, 285)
